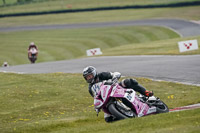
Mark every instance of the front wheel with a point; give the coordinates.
(33, 58)
(120, 112)
(115, 112)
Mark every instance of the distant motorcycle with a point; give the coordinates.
(125, 103)
(32, 55)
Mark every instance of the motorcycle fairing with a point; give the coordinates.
(98, 103)
(106, 91)
(102, 95)
(140, 107)
(33, 50)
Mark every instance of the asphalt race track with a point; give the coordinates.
(184, 69)
(182, 27)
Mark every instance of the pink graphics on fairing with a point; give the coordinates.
(106, 92)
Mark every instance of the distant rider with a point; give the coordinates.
(91, 76)
(5, 64)
(32, 50)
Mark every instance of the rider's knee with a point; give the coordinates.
(128, 83)
(133, 82)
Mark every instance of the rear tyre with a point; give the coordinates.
(161, 107)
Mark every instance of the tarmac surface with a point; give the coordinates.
(184, 69)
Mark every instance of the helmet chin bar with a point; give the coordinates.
(90, 73)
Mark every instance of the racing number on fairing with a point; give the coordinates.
(129, 97)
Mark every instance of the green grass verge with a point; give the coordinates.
(61, 103)
(49, 5)
(190, 13)
(73, 43)
(161, 47)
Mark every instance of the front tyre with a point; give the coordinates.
(115, 112)
(121, 110)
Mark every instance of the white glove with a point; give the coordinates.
(116, 75)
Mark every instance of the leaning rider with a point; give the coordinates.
(91, 75)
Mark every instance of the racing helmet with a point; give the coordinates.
(32, 44)
(90, 74)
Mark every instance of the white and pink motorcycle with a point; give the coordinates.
(32, 55)
(125, 103)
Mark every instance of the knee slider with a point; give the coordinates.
(129, 83)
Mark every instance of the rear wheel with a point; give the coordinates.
(161, 107)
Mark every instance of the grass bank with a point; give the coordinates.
(189, 13)
(160, 47)
(60, 102)
(73, 43)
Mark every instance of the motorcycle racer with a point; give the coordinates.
(32, 52)
(32, 45)
(91, 76)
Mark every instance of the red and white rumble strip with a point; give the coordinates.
(194, 106)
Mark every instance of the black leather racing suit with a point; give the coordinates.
(101, 77)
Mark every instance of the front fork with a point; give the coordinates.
(97, 111)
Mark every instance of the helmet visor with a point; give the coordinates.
(89, 78)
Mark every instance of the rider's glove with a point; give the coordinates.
(116, 75)
(148, 93)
